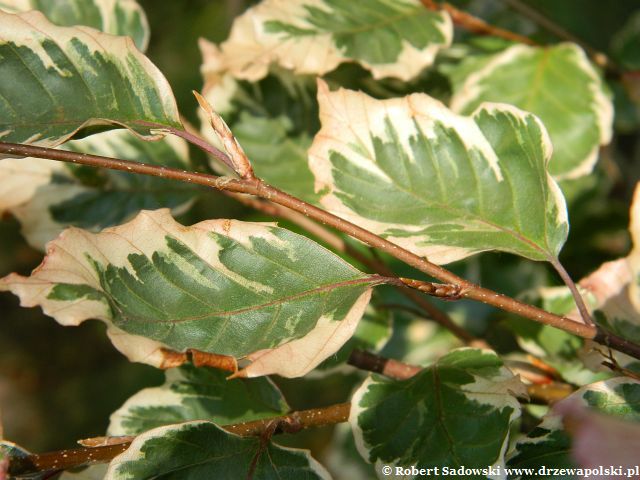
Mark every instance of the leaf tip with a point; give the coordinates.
(323, 87)
(204, 104)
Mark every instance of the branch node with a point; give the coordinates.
(446, 291)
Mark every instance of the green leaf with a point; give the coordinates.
(202, 450)
(47, 196)
(117, 17)
(457, 412)
(390, 38)
(439, 184)
(273, 119)
(191, 393)
(57, 80)
(277, 158)
(242, 289)
(550, 445)
(560, 86)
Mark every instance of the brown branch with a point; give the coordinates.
(429, 311)
(474, 24)
(260, 189)
(385, 366)
(110, 447)
(432, 312)
(550, 392)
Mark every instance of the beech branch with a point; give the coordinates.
(475, 24)
(110, 447)
(547, 391)
(255, 186)
(425, 309)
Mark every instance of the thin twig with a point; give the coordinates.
(77, 457)
(258, 188)
(388, 367)
(475, 24)
(426, 309)
(333, 240)
(549, 392)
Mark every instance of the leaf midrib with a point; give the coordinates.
(323, 288)
(448, 208)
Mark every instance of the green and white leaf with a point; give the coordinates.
(550, 445)
(191, 393)
(456, 412)
(282, 158)
(247, 290)
(58, 80)
(47, 196)
(117, 17)
(390, 38)
(561, 87)
(439, 184)
(273, 119)
(202, 450)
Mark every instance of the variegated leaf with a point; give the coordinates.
(390, 38)
(439, 184)
(560, 86)
(550, 445)
(57, 80)
(191, 393)
(202, 451)
(221, 286)
(273, 119)
(47, 196)
(117, 17)
(456, 412)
